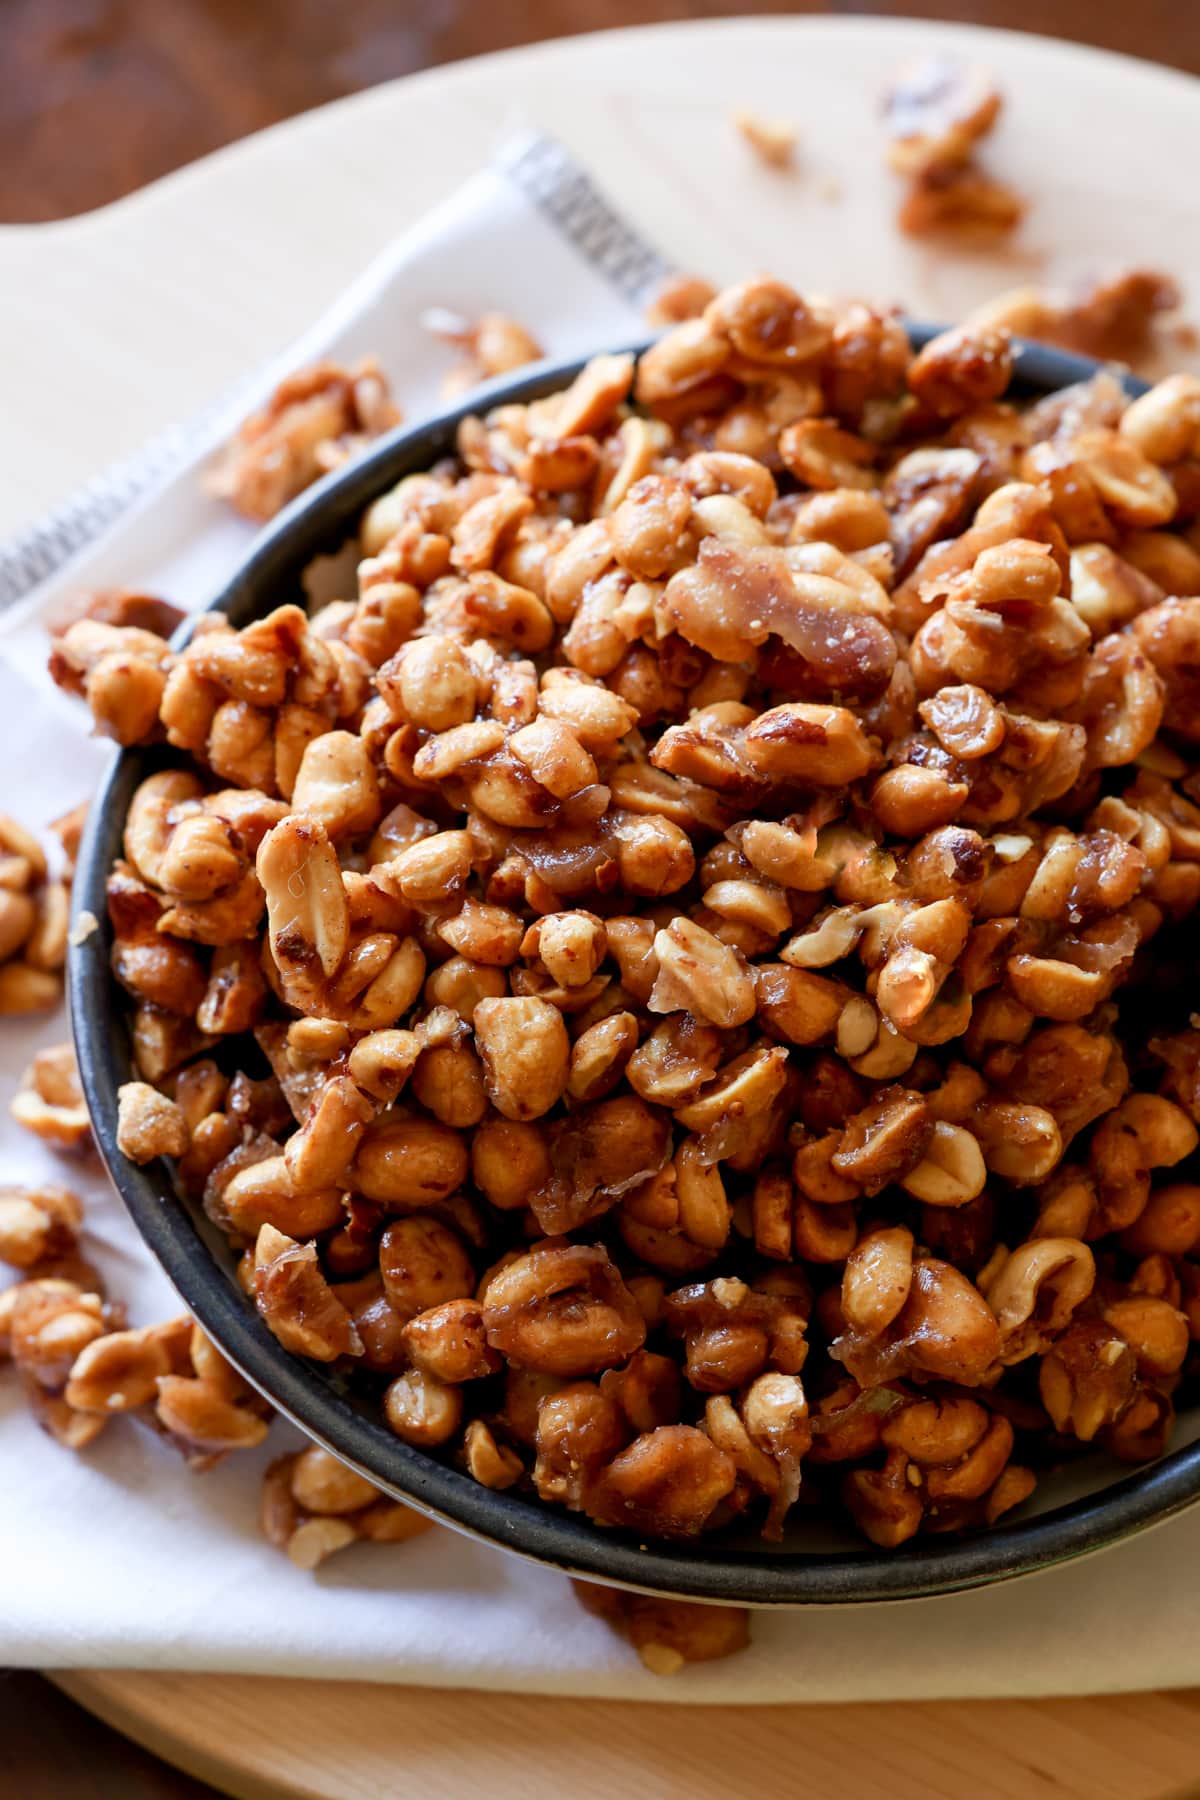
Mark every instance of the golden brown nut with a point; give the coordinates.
(296, 1301)
(563, 1310)
(38, 1224)
(148, 1124)
(667, 1482)
(525, 1052)
(49, 1101)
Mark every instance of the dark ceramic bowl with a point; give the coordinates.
(815, 1564)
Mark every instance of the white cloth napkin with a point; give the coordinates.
(120, 1557)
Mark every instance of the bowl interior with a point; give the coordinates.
(1081, 1509)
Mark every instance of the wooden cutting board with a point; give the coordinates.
(262, 1739)
(231, 258)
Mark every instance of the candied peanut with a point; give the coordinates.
(667, 1482)
(758, 908)
(448, 1340)
(73, 1430)
(680, 297)
(667, 1634)
(314, 418)
(204, 1419)
(1143, 1132)
(318, 1155)
(406, 1163)
(554, 757)
(798, 1006)
(17, 918)
(822, 745)
(685, 359)
(885, 1142)
(448, 1081)
(52, 1322)
(936, 109)
(877, 1279)
(579, 1429)
(1110, 318)
(821, 455)
(509, 1161)
(1155, 1330)
(1049, 1277)
(336, 785)
(484, 934)
(936, 1433)
(390, 1522)
(297, 1303)
(26, 989)
(279, 1515)
(148, 1124)
(772, 140)
(686, 1196)
(38, 1224)
(961, 369)
(959, 199)
(23, 854)
(315, 1539)
(1169, 1223)
(563, 1310)
(699, 974)
(432, 868)
(422, 1410)
(596, 716)
(653, 854)
(951, 1170)
(322, 1484)
(600, 1055)
(769, 322)
(124, 691)
(492, 1464)
(461, 984)
(431, 682)
(487, 526)
(910, 801)
(49, 1101)
(525, 1052)
(1086, 1378)
(944, 1327)
(1164, 424)
(649, 529)
(422, 1263)
(572, 946)
(952, 1329)
(119, 1371)
(306, 903)
(1142, 1431)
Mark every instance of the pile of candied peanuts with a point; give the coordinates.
(652, 981)
(82, 1366)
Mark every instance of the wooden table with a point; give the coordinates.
(142, 87)
(99, 300)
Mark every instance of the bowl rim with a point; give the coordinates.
(188, 1248)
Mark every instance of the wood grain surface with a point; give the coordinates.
(98, 97)
(298, 1740)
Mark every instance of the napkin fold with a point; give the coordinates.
(120, 1557)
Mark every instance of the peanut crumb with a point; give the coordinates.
(772, 140)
